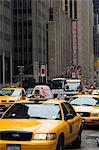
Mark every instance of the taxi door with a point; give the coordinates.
(68, 123)
(75, 122)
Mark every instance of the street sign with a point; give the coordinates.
(21, 69)
(36, 71)
(43, 71)
(73, 75)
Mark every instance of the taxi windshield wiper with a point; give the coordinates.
(1, 94)
(16, 117)
(75, 104)
(35, 117)
(87, 105)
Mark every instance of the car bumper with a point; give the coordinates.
(91, 121)
(29, 145)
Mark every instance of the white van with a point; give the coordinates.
(72, 87)
(42, 91)
(58, 86)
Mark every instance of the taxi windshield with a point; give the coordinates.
(9, 92)
(86, 101)
(34, 111)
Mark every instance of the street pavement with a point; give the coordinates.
(89, 140)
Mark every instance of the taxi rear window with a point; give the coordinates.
(6, 92)
(9, 93)
(37, 92)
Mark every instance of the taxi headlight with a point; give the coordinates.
(44, 136)
(94, 115)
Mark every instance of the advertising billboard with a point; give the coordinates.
(74, 43)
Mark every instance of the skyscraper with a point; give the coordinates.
(96, 27)
(81, 13)
(5, 42)
(96, 38)
(29, 34)
(59, 39)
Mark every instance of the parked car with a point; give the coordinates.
(9, 95)
(42, 91)
(88, 107)
(98, 142)
(34, 125)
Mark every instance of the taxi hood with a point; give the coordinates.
(83, 108)
(7, 98)
(41, 126)
(96, 109)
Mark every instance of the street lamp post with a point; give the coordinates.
(21, 72)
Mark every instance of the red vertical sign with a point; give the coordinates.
(43, 71)
(74, 40)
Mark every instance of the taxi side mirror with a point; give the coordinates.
(68, 117)
(23, 94)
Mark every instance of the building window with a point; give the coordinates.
(6, 20)
(6, 4)
(0, 17)
(7, 37)
(1, 35)
(75, 9)
(15, 11)
(66, 6)
(71, 9)
(50, 14)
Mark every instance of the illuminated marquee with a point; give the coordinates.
(74, 40)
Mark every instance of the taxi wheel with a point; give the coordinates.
(60, 145)
(77, 142)
(98, 142)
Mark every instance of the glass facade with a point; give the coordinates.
(96, 28)
(22, 33)
(29, 34)
(5, 41)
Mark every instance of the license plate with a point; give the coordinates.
(13, 147)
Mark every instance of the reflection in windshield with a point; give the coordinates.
(97, 104)
(9, 93)
(57, 84)
(86, 101)
(29, 91)
(36, 111)
(71, 88)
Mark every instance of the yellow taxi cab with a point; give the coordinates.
(88, 107)
(40, 125)
(9, 95)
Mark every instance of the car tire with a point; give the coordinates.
(98, 142)
(60, 144)
(77, 142)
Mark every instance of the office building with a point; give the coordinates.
(81, 13)
(85, 38)
(30, 36)
(96, 39)
(59, 39)
(5, 42)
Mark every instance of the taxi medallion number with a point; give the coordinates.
(13, 147)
